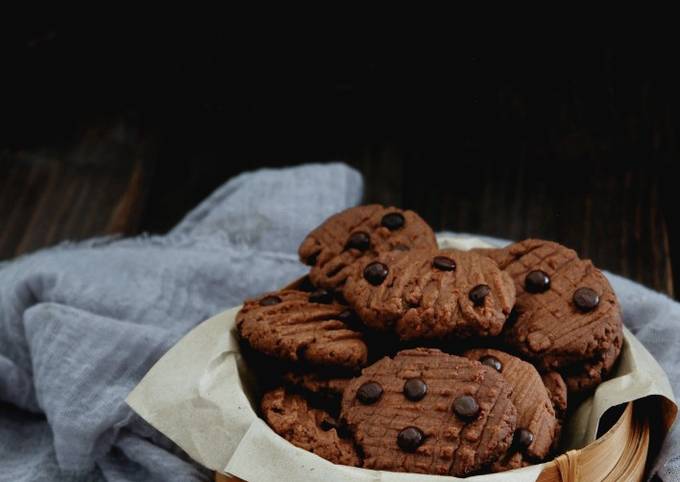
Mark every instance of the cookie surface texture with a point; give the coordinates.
(567, 315)
(314, 383)
(309, 428)
(296, 326)
(360, 233)
(536, 420)
(557, 391)
(431, 294)
(428, 412)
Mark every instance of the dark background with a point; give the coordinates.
(120, 129)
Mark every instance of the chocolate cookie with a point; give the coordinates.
(567, 313)
(537, 426)
(315, 383)
(557, 391)
(582, 377)
(360, 233)
(431, 294)
(428, 412)
(297, 326)
(321, 390)
(309, 428)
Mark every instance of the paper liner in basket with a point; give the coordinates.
(200, 395)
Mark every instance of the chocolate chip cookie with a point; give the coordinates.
(428, 412)
(309, 428)
(568, 317)
(298, 326)
(360, 233)
(427, 294)
(582, 377)
(537, 425)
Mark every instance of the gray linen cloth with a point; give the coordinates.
(80, 324)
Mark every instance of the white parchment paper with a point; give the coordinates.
(199, 396)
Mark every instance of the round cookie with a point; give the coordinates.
(537, 425)
(297, 326)
(568, 317)
(360, 233)
(428, 412)
(311, 429)
(425, 294)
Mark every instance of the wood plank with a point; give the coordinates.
(92, 187)
(616, 219)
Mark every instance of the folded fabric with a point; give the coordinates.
(81, 323)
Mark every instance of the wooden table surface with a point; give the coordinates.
(574, 143)
(109, 180)
(617, 220)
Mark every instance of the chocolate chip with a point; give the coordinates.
(360, 241)
(311, 261)
(478, 294)
(466, 407)
(586, 299)
(322, 296)
(415, 389)
(537, 281)
(270, 300)
(443, 263)
(410, 439)
(492, 361)
(327, 424)
(393, 221)
(375, 273)
(369, 393)
(522, 438)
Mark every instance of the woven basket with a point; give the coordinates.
(619, 455)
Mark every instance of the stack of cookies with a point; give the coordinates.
(395, 355)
